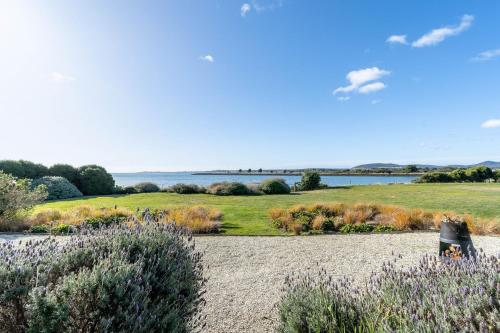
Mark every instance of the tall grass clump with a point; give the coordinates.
(438, 294)
(197, 219)
(123, 278)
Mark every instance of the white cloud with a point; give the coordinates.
(487, 55)
(492, 123)
(245, 8)
(61, 78)
(397, 39)
(343, 98)
(207, 58)
(371, 87)
(360, 77)
(436, 36)
(376, 101)
(261, 6)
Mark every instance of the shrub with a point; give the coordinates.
(454, 296)
(147, 187)
(310, 181)
(436, 177)
(356, 228)
(229, 188)
(58, 188)
(129, 190)
(186, 189)
(39, 229)
(61, 229)
(64, 170)
(16, 198)
(479, 174)
(120, 279)
(23, 169)
(384, 228)
(274, 186)
(94, 180)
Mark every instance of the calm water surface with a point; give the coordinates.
(164, 179)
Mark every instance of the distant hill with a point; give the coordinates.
(378, 166)
(489, 164)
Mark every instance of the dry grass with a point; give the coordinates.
(76, 216)
(198, 219)
(400, 218)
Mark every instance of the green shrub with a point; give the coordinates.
(58, 187)
(436, 177)
(356, 228)
(61, 229)
(39, 229)
(186, 189)
(16, 197)
(310, 181)
(384, 228)
(479, 174)
(146, 187)
(94, 180)
(274, 186)
(64, 170)
(229, 188)
(436, 295)
(118, 279)
(23, 169)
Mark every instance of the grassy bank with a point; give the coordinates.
(249, 215)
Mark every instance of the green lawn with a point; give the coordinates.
(248, 215)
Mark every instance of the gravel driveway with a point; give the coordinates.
(245, 274)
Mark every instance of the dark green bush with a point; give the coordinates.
(23, 169)
(94, 180)
(356, 228)
(58, 187)
(118, 279)
(479, 174)
(186, 189)
(310, 181)
(229, 188)
(39, 229)
(436, 177)
(274, 186)
(146, 187)
(64, 170)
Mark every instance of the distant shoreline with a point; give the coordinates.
(300, 174)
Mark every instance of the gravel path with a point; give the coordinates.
(245, 274)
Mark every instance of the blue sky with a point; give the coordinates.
(213, 84)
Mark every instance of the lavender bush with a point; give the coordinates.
(437, 295)
(122, 278)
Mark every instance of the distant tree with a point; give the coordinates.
(260, 170)
(64, 170)
(411, 168)
(94, 180)
(249, 170)
(23, 169)
(310, 181)
(479, 174)
(459, 175)
(240, 170)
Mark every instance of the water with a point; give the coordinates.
(164, 179)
